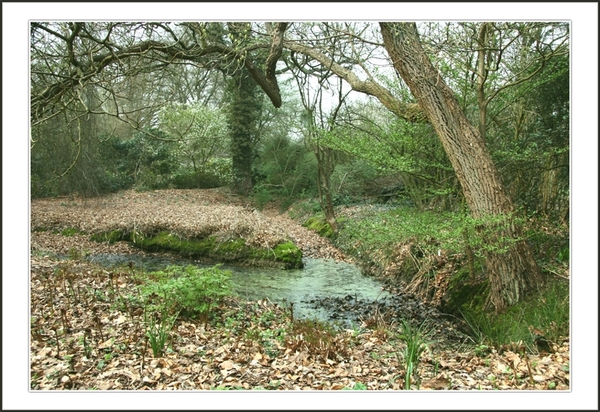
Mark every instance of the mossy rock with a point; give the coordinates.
(322, 227)
(285, 255)
(289, 254)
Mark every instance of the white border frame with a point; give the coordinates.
(584, 207)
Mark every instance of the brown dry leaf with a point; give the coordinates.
(115, 356)
(227, 365)
(441, 382)
(513, 358)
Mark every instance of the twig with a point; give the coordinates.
(556, 274)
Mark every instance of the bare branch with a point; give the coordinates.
(408, 111)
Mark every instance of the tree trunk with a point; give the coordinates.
(513, 273)
(324, 171)
(244, 112)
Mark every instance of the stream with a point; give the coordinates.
(321, 280)
(324, 289)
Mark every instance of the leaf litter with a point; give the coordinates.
(87, 329)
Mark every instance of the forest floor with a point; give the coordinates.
(84, 338)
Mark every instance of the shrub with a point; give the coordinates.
(191, 291)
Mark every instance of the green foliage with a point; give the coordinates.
(76, 254)
(244, 108)
(432, 232)
(200, 137)
(286, 170)
(285, 254)
(70, 231)
(549, 239)
(261, 196)
(189, 291)
(392, 144)
(530, 145)
(63, 163)
(216, 172)
(353, 179)
(111, 236)
(358, 386)
(319, 225)
(158, 325)
(382, 230)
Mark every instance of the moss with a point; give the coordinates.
(289, 254)
(465, 294)
(70, 231)
(322, 227)
(111, 236)
(285, 255)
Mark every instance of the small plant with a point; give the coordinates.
(482, 350)
(416, 340)
(274, 384)
(358, 386)
(75, 254)
(160, 314)
(158, 327)
(193, 291)
(316, 337)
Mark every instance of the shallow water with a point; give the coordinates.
(320, 278)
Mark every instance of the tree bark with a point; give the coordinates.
(325, 169)
(243, 117)
(515, 272)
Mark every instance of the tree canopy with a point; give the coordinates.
(466, 97)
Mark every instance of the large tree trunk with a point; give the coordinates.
(514, 272)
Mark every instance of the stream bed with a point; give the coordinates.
(303, 288)
(324, 289)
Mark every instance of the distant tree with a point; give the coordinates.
(199, 134)
(66, 57)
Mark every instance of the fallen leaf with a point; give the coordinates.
(227, 365)
(436, 383)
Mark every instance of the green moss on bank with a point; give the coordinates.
(321, 226)
(285, 255)
(70, 231)
(110, 236)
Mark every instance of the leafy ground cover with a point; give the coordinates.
(90, 328)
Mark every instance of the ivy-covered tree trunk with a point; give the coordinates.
(511, 268)
(244, 112)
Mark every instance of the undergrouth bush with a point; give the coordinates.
(401, 242)
(191, 292)
(537, 322)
